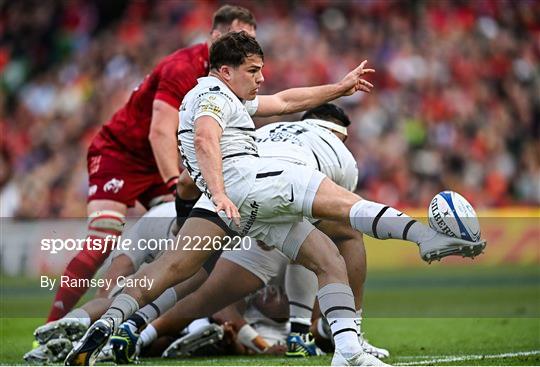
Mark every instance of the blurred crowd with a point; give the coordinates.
(456, 103)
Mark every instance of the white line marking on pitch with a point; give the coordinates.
(469, 358)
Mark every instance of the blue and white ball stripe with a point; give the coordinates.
(451, 214)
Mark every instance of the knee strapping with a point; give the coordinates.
(106, 222)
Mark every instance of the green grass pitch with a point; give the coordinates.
(432, 316)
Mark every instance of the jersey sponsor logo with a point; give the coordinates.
(287, 132)
(252, 217)
(213, 93)
(113, 185)
(92, 190)
(210, 108)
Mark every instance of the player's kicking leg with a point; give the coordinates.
(384, 222)
(379, 221)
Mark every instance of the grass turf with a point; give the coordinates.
(419, 315)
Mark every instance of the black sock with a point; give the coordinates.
(299, 328)
(137, 320)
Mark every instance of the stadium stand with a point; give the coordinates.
(457, 100)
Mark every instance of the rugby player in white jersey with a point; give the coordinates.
(299, 142)
(265, 198)
(316, 141)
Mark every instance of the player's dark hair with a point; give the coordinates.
(227, 14)
(232, 49)
(328, 112)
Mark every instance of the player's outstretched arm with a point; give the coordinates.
(207, 137)
(301, 99)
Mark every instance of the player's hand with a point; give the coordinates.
(171, 185)
(353, 81)
(232, 343)
(223, 203)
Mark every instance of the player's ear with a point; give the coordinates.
(214, 35)
(225, 72)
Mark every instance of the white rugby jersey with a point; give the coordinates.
(211, 97)
(306, 142)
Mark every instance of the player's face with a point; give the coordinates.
(246, 79)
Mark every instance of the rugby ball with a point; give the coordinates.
(451, 214)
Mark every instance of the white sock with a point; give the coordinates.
(121, 308)
(358, 322)
(336, 301)
(148, 335)
(80, 315)
(159, 306)
(383, 222)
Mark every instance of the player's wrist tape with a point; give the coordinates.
(171, 184)
(248, 337)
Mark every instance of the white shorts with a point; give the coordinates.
(266, 265)
(146, 234)
(273, 210)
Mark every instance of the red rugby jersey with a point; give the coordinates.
(125, 135)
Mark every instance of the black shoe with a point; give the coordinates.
(87, 350)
